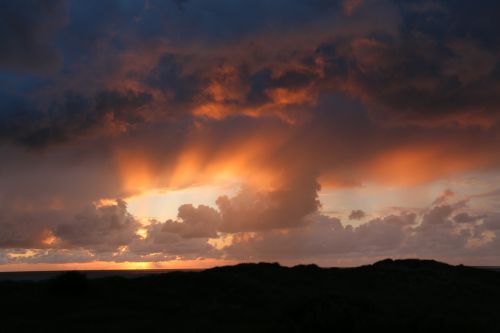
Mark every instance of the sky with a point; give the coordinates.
(195, 133)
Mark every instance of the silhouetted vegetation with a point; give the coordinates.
(391, 296)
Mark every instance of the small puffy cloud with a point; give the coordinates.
(437, 215)
(464, 217)
(194, 222)
(357, 214)
(444, 197)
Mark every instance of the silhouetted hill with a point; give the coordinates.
(390, 295)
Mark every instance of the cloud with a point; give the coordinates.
(493, 193)
(466, 218)
(325, 237)
(351, 5)
(410, 68)
(109, 233)
(70, 117)
(101, 228)
(27, 229)
(432, 232)
(287, 206)
(28, 35)
(444, 197)
(492, 223)
(357, 214)
(286, 97)
(199, 222)
(471, 63)
(165, 242)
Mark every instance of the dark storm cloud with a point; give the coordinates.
(425, 64)
(436, 67)
(442, 63)
(28, 31)
(168, 77)
(216, 22)
(73, 115)
(97, 35)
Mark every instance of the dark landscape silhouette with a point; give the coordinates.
(390, 296)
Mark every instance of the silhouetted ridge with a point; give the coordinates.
(412, 264)
(248, 267)
(69, 284)
(389, 296)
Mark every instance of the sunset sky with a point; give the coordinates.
(194, 133)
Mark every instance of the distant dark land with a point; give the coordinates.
(390, 296)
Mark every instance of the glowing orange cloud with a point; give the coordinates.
(415, 165)
(134, 170)
(242, 160)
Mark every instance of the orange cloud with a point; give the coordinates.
(409, 166)
(200, 161)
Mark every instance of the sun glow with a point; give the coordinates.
(163, 205)
(108, 265)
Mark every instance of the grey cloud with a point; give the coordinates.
(161, 241)
(202, 221)
(437, 215)
(492, 223)
(443, 198)
(287, 206)
(325, 237)
(466, 218)
(433, 233)
(27, 229)
(103, 228)
(357, 214)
